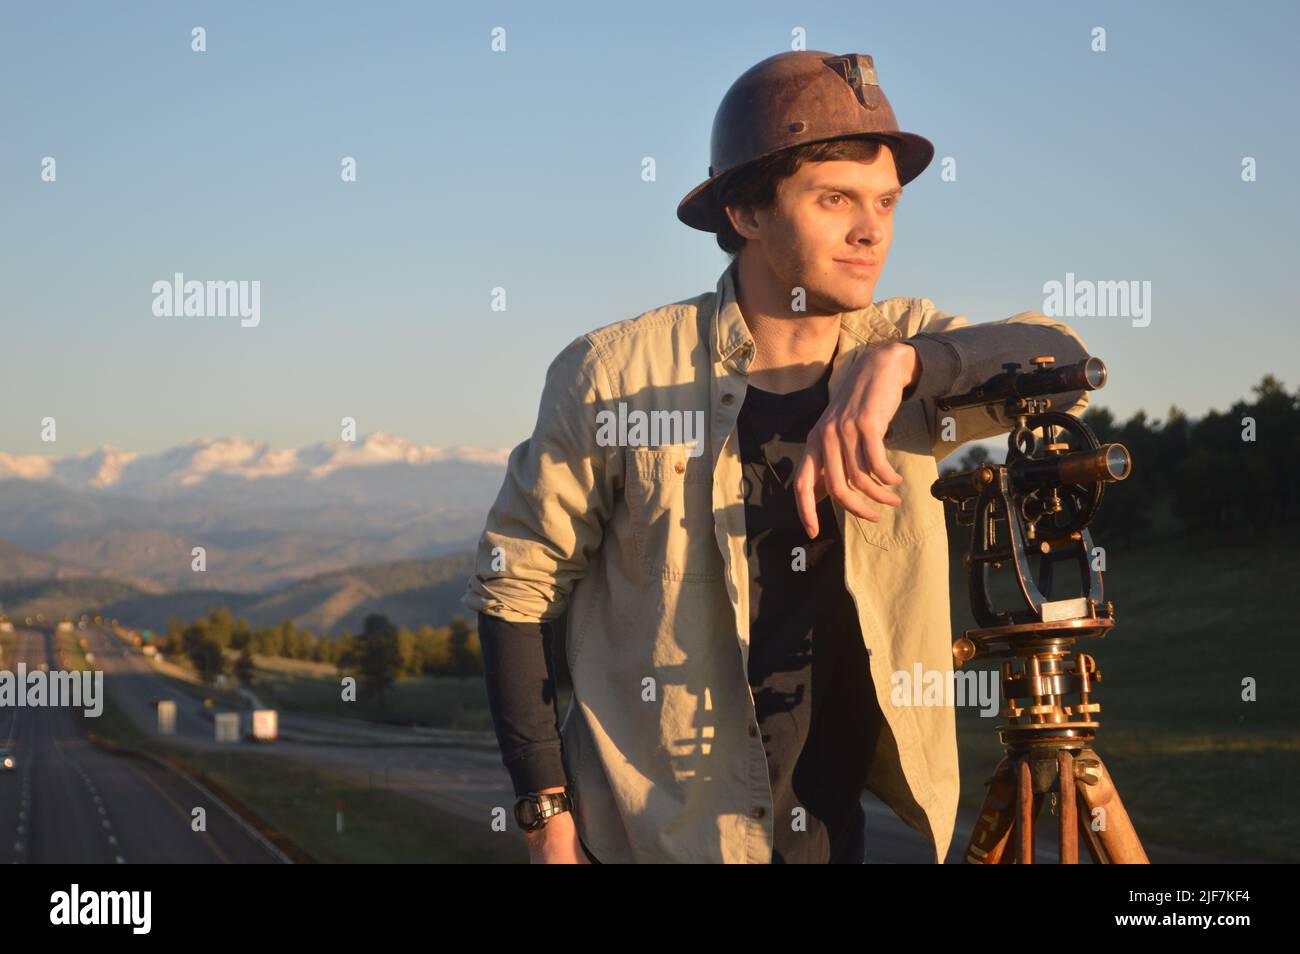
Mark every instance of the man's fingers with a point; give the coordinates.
(882, 400)
(832, 464)
(806, 480)
(879, 472)
(854, 454)
(863, 453)
(878, 462)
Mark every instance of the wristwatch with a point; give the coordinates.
(534, 809)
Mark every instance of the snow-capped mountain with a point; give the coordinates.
(192, 463)
(264, 515)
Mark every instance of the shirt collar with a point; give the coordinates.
(731, 334)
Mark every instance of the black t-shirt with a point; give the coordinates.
(808, 667)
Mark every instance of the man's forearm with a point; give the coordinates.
(520, 682)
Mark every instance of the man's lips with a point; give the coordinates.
(858, 263)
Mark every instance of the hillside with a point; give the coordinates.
(412, 593)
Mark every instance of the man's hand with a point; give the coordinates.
(556, 842)
(845, 450)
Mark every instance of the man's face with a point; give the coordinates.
(826, 215)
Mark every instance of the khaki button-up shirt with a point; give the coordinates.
(644, 542)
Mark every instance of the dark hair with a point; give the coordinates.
(754, 185)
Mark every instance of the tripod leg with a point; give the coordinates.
(988, 842)
(1069, 824)
(1090, 839)
(1026, 806)
(1117, 835)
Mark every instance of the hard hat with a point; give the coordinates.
(792, 99)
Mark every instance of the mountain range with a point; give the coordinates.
(265, 516)
(318, 534)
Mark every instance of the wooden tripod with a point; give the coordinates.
(1048, 752)
(1089, 806)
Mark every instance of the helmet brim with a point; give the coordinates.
(700, 210)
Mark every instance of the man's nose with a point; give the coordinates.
(869, 228)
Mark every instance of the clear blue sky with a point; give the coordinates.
(522, 169)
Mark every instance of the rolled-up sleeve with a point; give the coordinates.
(957, 356)
(558, 493)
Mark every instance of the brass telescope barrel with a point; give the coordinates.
(1087, 374)
(1109, 463)
(959, 487)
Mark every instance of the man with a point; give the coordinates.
(738, 594)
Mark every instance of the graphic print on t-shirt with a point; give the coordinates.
(808, 669)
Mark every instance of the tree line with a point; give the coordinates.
(1229, 477)
(380, 654)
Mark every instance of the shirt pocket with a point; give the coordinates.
(905, 530)
(669, 498)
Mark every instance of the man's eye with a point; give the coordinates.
(890, 201)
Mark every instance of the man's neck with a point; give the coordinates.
(791, 349)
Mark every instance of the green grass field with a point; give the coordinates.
(440, 701)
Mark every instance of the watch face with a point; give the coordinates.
(527, 812)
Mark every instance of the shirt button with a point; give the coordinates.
(758, 811)
(728, 398)
(753, 731)
(680, 467)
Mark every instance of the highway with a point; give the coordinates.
(465, 778)
(67, 801)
